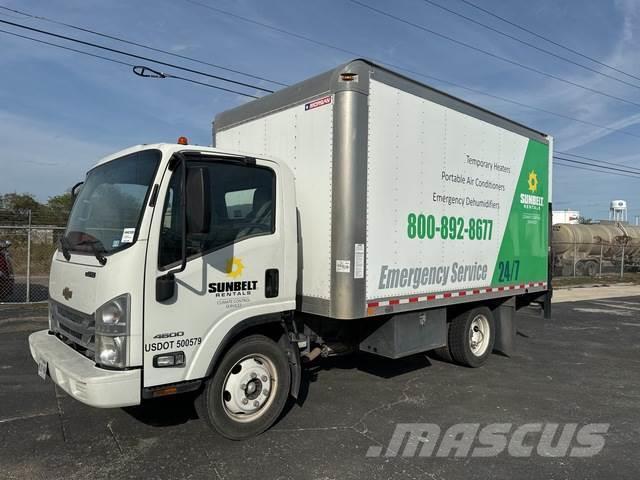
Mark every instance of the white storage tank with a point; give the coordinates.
(618, 210)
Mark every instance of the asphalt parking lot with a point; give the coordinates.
(583, 366)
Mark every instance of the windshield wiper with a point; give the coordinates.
(64, 246)
(97, 248)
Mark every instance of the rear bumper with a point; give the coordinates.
(80, 378)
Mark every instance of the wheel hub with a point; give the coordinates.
(254, 388)
(247, 388)
(479, 333)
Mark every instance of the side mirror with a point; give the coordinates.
(165, 287)
(198, 204)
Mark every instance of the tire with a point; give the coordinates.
(248, 390)
(443, 353)
(591, 268)
(472, 351)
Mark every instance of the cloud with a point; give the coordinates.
(179, 48)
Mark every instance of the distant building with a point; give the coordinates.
(565, 216)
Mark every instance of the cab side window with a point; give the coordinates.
(243, 205)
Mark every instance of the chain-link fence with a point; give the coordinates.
(596, 259)
(26, 249)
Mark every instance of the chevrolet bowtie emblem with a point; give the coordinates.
(67, 293)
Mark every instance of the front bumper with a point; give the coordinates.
(80, 378)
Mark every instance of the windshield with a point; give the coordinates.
(106, 214)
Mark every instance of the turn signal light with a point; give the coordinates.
(164, 392)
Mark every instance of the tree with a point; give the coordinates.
(20, 203)
(58, 208)
(15, 207)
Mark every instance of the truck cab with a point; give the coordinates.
(170, 252)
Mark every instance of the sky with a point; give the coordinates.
(60, 112)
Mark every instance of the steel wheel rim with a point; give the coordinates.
(479, 335)
(248, 388)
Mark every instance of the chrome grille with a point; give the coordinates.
(75, 328)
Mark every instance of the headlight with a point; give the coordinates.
(112, 318)
(112, 330)
(111, 351)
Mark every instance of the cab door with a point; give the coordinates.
(233, 271)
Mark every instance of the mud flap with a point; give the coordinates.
(295, 364)
(546, 305)
(505, 323)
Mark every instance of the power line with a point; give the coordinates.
(594, 170)
(493, 55)
(130, 42)
(350, 52)
(403, 68)
(627, 173)
(279, 30)
(547, 39)
(528, 44)
(133, 55)
(197, 82)
(579, 162)
(597, 160)
(67, 48)
(120, 62)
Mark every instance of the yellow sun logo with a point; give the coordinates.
(533, 181)
(234, 267)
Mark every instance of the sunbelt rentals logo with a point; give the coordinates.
(232, 285)
(531, 199)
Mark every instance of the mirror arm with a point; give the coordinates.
(74, 190)
(183, 214)
(165, 285)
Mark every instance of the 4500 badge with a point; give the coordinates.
(170, 344)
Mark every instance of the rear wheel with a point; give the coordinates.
(249, 389)
(472, 336)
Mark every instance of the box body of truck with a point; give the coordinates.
(408, 198)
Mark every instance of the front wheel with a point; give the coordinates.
(249, 389)
(472, 336)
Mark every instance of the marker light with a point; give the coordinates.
(173, 359)
(183, 141)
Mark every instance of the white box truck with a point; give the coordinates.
(358, 210)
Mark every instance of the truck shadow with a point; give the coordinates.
(179, 409)
(365, 362)
(165, 412)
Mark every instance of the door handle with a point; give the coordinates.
(271, 283)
